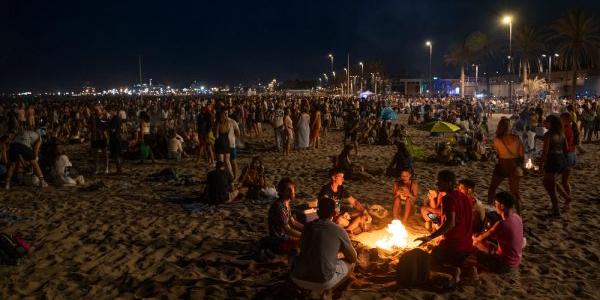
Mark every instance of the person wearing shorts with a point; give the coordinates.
(25, 148)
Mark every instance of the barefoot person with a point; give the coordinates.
(358, 217)
(554, 160)
(505, 254)
(406, 191)
(456, 229)
(510, 156)
(318, 268)
(571, 137)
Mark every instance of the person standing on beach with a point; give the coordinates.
(278, 126)
(221, 131)
(315, 129)
(114, 139)
(303, 128)
(98, 126)
(234, 134)
(510, 153)
(25, 148)
(554, 161)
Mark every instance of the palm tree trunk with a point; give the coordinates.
(574, 83)
(525, 82)
(462, 80)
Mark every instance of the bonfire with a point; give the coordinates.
(394, 237)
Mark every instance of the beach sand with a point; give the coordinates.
(126, 241)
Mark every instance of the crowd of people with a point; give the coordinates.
(212, 129)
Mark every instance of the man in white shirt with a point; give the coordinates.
(278, 126)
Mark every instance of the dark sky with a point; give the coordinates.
(57, 45)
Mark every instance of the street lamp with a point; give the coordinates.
(362, 70)
(430, 45)
(331, 59)
(325, 75)
(507, 20)
(476, 77)
(550, 67)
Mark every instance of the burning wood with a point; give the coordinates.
(393, 237)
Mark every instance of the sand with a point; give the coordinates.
(127, 242)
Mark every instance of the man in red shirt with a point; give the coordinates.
(456, 229)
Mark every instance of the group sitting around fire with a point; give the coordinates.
(460, 227)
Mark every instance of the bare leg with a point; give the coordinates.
(566, 187)
(550, 186)
(407, 210)
(513, 183)
(11, 171)
(495, 182)
(396, 209)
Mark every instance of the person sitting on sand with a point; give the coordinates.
(284, 229)
(318, 268)
(402, 160)
(406, 191)
(432, 209)
(335, 190)
(219, 187)
(505, 254)
(61, 166)
(344, 163)
(456, 229)
(175, 146)
(467, 187)
(253, 178)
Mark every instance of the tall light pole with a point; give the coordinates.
(331, 59)
(507, 19)
(550, 67)
(362, 72)
(430, 45)
(476, 77)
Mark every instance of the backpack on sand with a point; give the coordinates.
(12, 250)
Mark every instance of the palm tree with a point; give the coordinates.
(528, 44)
(483, 50)
(577, 35)
(459, 55)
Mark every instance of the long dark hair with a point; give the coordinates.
(555, 125)
(503, 127)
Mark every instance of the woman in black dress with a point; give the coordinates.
(221, 132)
(553, 160)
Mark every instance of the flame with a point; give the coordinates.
(397, 237)
(529, 164)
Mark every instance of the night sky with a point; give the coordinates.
(58, 45)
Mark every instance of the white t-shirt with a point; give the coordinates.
(233, 128)
(176, 144)
(27, 138)
(61, 164)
